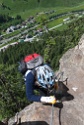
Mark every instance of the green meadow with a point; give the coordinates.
(26, 8)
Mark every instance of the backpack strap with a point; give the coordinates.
(27, 72)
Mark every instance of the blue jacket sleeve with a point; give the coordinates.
(30, 88)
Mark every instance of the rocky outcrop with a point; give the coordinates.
(72, 67)
(71, 112)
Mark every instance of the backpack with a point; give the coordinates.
(45, 76)
(30, 62)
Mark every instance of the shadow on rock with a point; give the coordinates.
(61, 94)
(1, 123)
(64, 96)
(33, 123)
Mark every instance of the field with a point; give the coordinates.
(26, 8)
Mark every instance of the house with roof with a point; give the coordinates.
(11, 29)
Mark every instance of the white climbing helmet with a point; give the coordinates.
(45, 76)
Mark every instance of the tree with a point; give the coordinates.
(38, 1)
(12, 93)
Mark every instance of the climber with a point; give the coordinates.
(39, 77)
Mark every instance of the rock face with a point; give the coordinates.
(72, 67)
(72, 112)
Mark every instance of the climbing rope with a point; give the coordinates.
(52, 112)
(52, 115)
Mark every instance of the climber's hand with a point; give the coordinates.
(50, 99)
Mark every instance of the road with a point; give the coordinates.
(17, 36)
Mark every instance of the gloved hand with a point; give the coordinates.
(50, 99)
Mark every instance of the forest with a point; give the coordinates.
(6, 21)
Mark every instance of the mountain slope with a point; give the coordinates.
(18, 6)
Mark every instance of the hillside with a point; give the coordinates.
(14, 7)
(72, 112)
